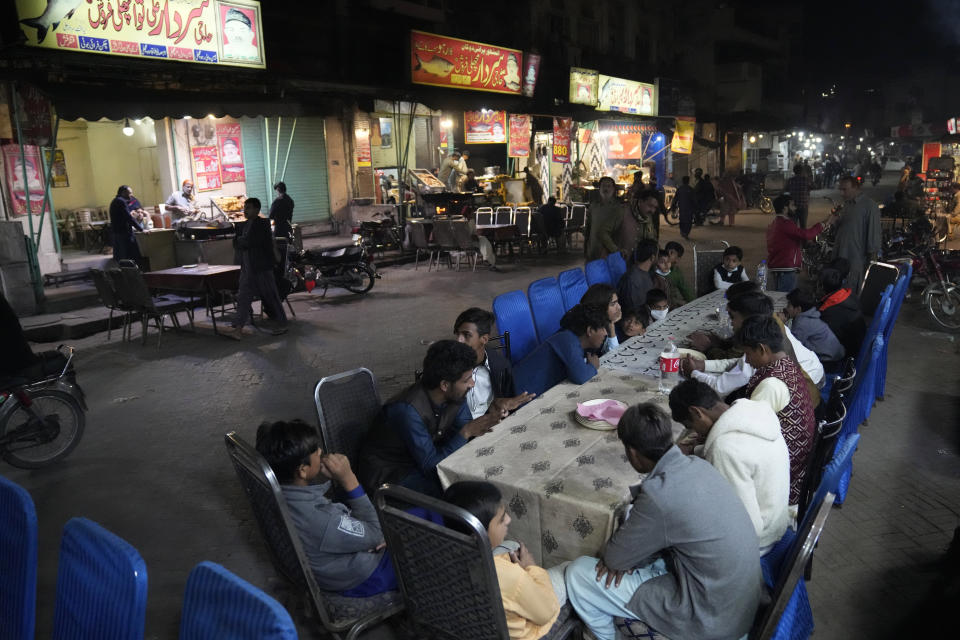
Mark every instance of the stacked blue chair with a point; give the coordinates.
(101, 585)
(512, 312)
(598, 272)
(18, 562)
(546, 304)
(617, 266)
(218, 604)
(877, 324)
(573, 284)
(860, 404)
(899, 293)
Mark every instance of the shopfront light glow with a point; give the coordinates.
(753, 139)
(760, 136)
(446, 123)
(127, 129)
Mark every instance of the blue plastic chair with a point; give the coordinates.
(597, 271)
(617, 266)
(796, 621)
(218, 604)
(836, 475)
(546, 305)
(877, 323)
(512, 312)
(896, 300)
(101, 585)
(573, 284)
(859, 410)
(18, 562)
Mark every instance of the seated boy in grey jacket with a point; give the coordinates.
(342, 540)
(810, 330)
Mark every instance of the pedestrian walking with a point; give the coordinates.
(686, 203)
(257, 260)
(733, 199)
(799, 188)
(281, 212)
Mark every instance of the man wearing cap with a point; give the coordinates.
(238, 36)
(180, 203)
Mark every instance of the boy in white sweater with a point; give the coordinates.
(744, 443)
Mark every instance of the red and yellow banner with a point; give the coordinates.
(25, 179)
(683, 135)
(626, 141)
(205, 31)
(561, 139)
(519, 145)
(449, 62)
(484, 127)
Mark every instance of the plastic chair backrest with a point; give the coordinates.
(792, 570)
(512, 311)
(597, 271)
(503, 215)
(104, 288)
(418, 236)
(347, 404)
(469, 604)
(461, 233)
(825, 440)
(578, 216)
(522, 220)
(131, 289)
(617, 266)
(877, 324)
(546, 305)
(864, 388)
(216, 603)
(443, 234)
(484, 215)
(18, 562)
(573, 284)
(101, 585)
(565, 209)
(839, 463)
(896, 299)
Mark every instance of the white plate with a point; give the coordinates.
(599, 425)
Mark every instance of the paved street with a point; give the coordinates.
(153, 469)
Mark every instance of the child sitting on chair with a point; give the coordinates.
(633, 322)
(658, 304)
(532, 596)
(342, 540)
(730, 271)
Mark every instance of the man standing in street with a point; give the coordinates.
(281, 212)
(255, 245)
(858, 231)
(606, 218)
(799, 188)
(686, 203)
(122, 226)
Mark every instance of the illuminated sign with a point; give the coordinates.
(583, 86)
(626, 96)
(463, 64)
(203, 31)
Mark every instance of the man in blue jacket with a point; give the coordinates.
(570, 353)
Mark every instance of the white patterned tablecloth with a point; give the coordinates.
(563, 483)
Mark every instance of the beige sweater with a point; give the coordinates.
(528, 599)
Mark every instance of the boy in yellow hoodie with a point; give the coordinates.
(530, 598)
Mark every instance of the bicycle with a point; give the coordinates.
(41, 421)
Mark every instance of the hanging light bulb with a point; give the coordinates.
(127, 129)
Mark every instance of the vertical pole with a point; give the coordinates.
(276, 154)
(266, 154)
(32, 256)
(289, 144)
(48, 172)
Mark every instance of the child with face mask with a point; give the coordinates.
(658, 304)
(660, 274)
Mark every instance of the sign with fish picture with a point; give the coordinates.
(463, 64)
(221, 32)
(519, 145)
(484, 127)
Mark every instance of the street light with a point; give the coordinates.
(753, 139)
(446, 123)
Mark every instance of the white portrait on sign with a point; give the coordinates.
(238, 34)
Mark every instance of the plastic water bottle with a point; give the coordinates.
(669, 366)
(762, 275)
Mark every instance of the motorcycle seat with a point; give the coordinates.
(347, 253)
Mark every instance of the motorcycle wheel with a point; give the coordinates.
(672, 217)
(944, 306)
(362, 278)
(766, 204)
(39, 446)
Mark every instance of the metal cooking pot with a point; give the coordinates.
(491, 171)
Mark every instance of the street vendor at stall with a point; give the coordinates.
(180, 203)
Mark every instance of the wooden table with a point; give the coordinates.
(202, 279)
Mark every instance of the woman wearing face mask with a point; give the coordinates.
(605, 297)
(658, 304)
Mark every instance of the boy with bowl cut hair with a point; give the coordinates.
(730, 270)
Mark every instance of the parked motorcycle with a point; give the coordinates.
(346, 267)
(42, 416)
(819, 251)
(940, 271)
(381, 234)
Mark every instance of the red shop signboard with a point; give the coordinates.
(449, 62)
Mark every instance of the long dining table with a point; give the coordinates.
(567, 486)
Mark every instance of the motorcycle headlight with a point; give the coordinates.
(355, 238)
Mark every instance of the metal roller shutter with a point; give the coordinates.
(251, 130)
